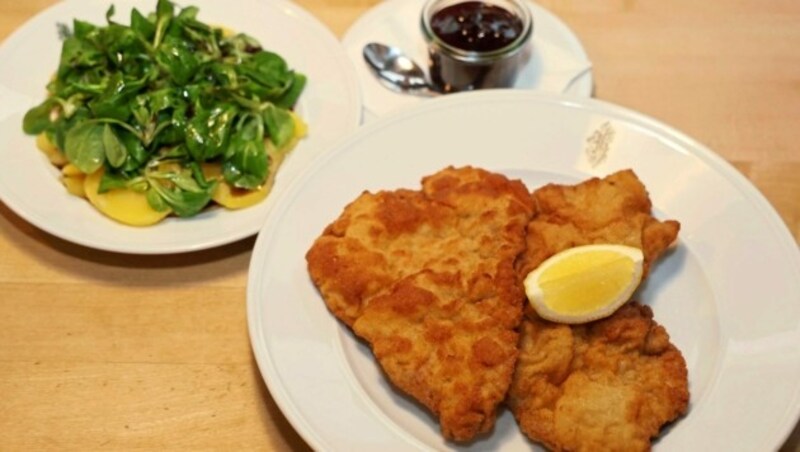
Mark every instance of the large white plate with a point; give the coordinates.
(331, 104)
(729, 293)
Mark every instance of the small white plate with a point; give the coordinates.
(29, 185)
(729, 293)
(557, 63)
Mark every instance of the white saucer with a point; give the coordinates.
(558, 63)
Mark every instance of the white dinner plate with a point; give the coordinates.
(557, 62)
(729, 292)
(30, 186)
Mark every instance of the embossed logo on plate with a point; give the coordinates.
(598, 143)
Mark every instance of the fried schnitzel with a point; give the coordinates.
(609, 384)
(615, 209)
(606, 385)
(427, 279)
(430, 280)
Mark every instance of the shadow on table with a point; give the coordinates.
(53, 251)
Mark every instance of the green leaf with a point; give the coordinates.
(90, 89)
(64, 125)
(177, 59)
(147, 109)
(202, 35)
(77, 53)
(289, 98)
(156, 201)
(137, 154)
(185, 181)
(124, 49)
(138, 184)
(116, 153)
(197, 173)
(110, 13)
(70, 106)
(238, 48)
(177, 152)
(111, 181)
(224, 75)
(84, 147)
(163, 99)
(189, 12)
(197, 137)
(165, 8)
(182, 179)
(82, 29)
(248, 165)
(207, 133)
(115, 102)
(269, 71)
(37, 119)
(280, 125)
(170, 133)
(143, 27)
(164, 12)
(183, 203)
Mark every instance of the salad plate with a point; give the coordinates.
(728, 293)
(30, 186)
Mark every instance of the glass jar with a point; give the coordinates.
(476, 44)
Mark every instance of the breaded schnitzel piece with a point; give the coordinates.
(615, 209)
(609, 384)
(427, 279)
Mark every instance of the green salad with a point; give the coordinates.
(153, 104)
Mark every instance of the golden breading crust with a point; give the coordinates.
(610, 384)
(615, 209)
(607, 385)
(427, 278)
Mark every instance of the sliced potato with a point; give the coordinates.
(55, 156)
(75, 185)
(70, 170)
(235, 198)
(300, 129)
(226, 32)
(123, 205)
(229, 196)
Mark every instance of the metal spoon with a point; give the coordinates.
(396, 70)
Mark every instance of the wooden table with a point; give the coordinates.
(107, 351)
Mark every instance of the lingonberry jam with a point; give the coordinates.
(476, 26)
(475, 44)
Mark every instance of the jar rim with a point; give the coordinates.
(429, 9)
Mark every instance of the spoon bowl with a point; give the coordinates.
(396, 70)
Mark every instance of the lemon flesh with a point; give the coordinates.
(584, 283)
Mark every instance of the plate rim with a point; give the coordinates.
(353, 118)
(267, 367)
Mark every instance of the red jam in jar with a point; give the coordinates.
(476, 26)
(475, 44)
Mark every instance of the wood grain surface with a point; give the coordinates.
(108, 351)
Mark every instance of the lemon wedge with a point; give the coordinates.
(584, 283)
